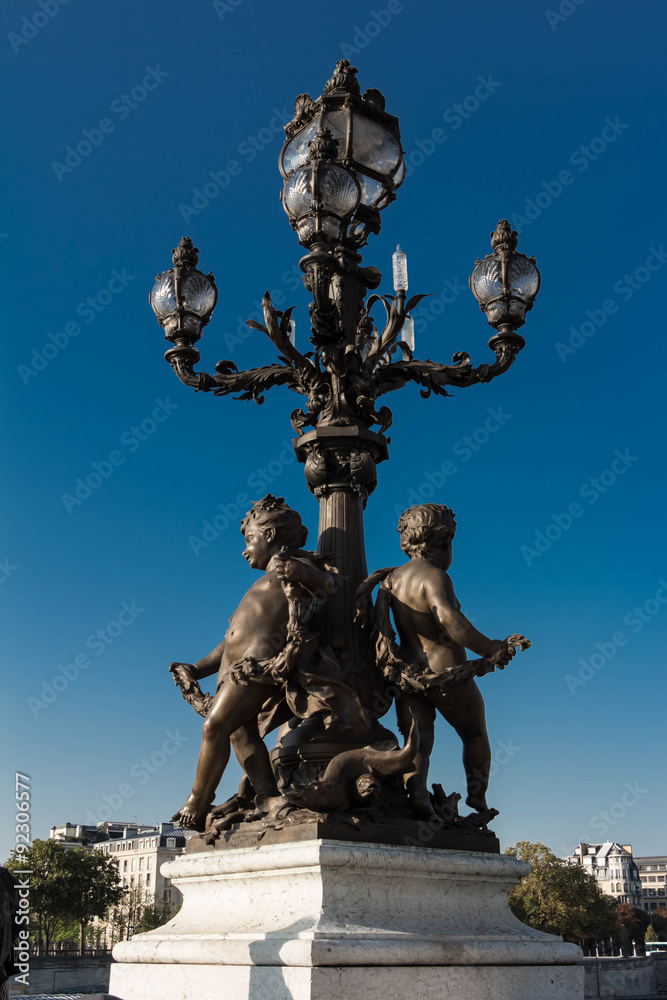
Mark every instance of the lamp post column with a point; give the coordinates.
(340, 467)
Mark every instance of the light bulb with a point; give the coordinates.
(408, 332)
(400, 267)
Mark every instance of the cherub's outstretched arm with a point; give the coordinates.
(207, 666)
(444, 607)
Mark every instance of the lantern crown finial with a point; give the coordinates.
(504, 237)
(186, 254)
(344, 78)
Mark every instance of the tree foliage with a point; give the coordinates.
(632, 920)
(658, 919)
(65, 886)
(559, 897)
(137, 912)
(45, 859)
(95, 885)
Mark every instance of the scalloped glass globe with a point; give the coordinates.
(305, 228)
(486, 279)
(524, 278)
(371, 190)
(298, 193)
(337, 190)
(162, 296)
(331, 227)
(198, 293)
(295, 153)
(374, 146)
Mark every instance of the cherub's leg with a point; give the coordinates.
(463, 708)
(233, 706)
(416, 779)
(253, 756)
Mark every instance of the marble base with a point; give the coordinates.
(324, 918)
(257, 982)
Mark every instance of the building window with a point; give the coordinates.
(141, 863)
(134, 864)
(148, 864)
(125, 865)
(131, 879)
(171, 842)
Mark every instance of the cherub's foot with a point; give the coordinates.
(422, 808)
(193, 813)
(478, 803)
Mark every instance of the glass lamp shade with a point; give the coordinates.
(505, 304)
(320, 197)
(183, 301)
(365, 142)
(374, 146)
(368, 148)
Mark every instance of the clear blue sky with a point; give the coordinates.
(581, 94)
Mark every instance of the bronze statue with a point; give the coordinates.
(271, 667)
(429, 671)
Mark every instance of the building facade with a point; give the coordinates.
(614, 868)
(653, 875)
(139, 851)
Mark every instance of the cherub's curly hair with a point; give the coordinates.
(273, 512)
(425, 527)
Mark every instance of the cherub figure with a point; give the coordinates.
(270, 666)
(429, 670)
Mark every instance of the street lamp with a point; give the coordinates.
(341, 164)
(505, 284)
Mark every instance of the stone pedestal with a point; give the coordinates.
(326, 920)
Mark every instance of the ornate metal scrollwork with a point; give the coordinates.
(343, 378)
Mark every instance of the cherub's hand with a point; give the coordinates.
(501, 653)
(183, 674)
(290, 570)
(502, 650)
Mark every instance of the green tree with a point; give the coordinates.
(155, 914)
(65, 886)
(559, 897)
(48, 880)
(650, 934)
(94, 886)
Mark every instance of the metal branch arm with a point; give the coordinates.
(293, 368)
(433, 377)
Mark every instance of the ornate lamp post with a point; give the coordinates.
(417, 905)
(341, 164)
